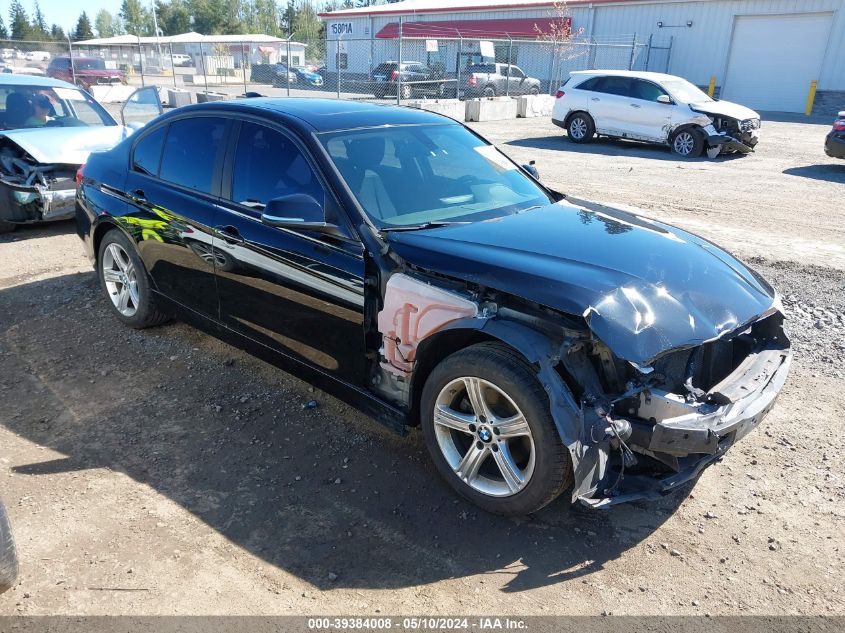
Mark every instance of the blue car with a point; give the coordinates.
(307, 77)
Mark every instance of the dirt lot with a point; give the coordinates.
(164, 472)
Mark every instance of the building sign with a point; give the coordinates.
(341, 28)
(431, 46)
(486, 48)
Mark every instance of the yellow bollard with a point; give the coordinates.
(711, 89)
(811, 97)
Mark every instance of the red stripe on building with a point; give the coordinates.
(519, 28)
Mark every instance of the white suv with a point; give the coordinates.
(652, 107)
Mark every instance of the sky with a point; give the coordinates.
(65, 13)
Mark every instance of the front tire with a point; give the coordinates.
(125, 282)
(488, 428)
(8, 554)
(688, 143)
(580, 128)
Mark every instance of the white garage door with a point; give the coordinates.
(774, 58)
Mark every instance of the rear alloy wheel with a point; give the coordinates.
(488, 428)
(124, 281)
(490, 91)
(688, 143)
(580, 128)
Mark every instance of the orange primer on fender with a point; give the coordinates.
(414, 310)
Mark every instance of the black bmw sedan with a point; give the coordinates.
(395, 258)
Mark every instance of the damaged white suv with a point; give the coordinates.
(47, 129)
(655, 108)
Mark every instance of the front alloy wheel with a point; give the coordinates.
(688, 143)
(488, 427)
(484, 436)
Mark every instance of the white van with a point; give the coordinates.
(182, 60)
(37, 56)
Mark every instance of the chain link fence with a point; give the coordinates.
(398, 68)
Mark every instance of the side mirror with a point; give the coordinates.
(665, 99)
(141, 106)
(298, 211)
(532, 170)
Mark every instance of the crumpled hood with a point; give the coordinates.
(68, 145)
(643, 287)
(725, 108)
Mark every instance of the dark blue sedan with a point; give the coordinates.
(392, 256)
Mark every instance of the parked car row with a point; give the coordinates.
(280, 75)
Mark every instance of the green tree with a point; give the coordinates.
(105, 24)
(83, 29)
(18, 21)
(173, 17)
(39, 24)
(136, 19)
(4, 34)
(57, 33)
(308, 27)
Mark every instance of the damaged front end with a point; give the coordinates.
(682, 412)
(633, 430)
(31, 191)
(729, 134)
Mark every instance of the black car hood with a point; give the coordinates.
(643, 287)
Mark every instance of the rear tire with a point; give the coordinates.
(486, 416)
(8, 554)
(490, 91)
(125, 282)
(580, 128)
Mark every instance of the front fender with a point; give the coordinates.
(575, 425)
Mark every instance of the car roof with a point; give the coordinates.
(324, 115)
(638, 74)
(33, 81)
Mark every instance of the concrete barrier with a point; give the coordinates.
(451, 108)
(178, 98)
(490, 109)
(206, 97)
(117, 93)
(534, 106)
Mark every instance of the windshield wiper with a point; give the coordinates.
(418, 227)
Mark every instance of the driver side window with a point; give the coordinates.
(268, 165)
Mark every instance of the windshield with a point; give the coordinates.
(412, 175)
(39, 106)
(685, 92)
(89, 64)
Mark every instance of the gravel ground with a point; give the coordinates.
(164, 472)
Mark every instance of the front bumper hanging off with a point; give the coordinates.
(744, 397)
(23, 204)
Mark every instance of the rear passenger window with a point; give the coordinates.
(147, 154)
(268, 165)
(616, 86)
(590, 84)
(190, 152)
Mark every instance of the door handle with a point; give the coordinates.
(228, 234)
(594, 99)
(635, 105)
(137, 196)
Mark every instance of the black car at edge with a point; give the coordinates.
(398, 260)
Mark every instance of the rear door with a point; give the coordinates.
(298, 293)
(610, 105)
(173, 189)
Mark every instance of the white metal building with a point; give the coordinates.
(763, 53)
